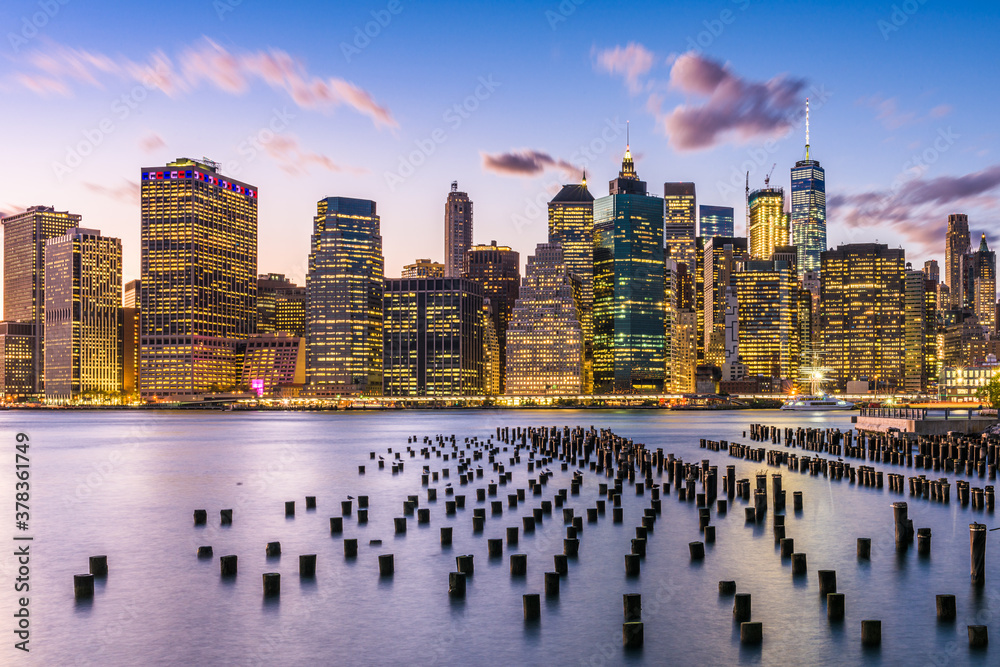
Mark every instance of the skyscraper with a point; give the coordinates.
(17, 360)
(434, 337)
(571, 225)
(979, 284)
(808, 219)
(131, 315)
(629, 331)
(199, 277)
(679, 221)
(344, 299)
(24, 237)
(498, 270)
(83, 315)
(457, 231)
(932, 271)
(768, 293)
(715, 221)
(957, 244)
(921, 331)
(280, 305)
(724, 256)
(545, 339)
(768, 223)
(862, 313)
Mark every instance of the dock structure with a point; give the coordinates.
(917, 422)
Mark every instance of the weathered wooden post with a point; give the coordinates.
(227, 566)
(532, 606)
(946, 610)
(827, 581)
(272, 584)
(871, 633)
(977, 551)
(751, 632)
(865, 548)
(386, 565)
(835, 606)
(741, 607)
(307, 565)
(978, 636)
(83, 586)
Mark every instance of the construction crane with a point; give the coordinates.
(767, 179)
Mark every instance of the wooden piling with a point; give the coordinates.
(99, 566)
(827, 581)
(289, 508)
(532, 605)
(456, 584)
(310, 502)
(226, 517)
(727, 587)
(741, 607)
(977, 552)
(865, 548)
(386, 565)
(751, 632)
(494, 547)
(518, 565)
(227, 566)
(798, 564)
(871, 633)
(350, 547)
(835, 606)
(204, 552)
(307, 565)
(978, 636)
(632, 565)
(696, 549)
(200, 517)
(946, 609)
(561, 564)
(787, 545)
(465, 564)
(273, 549)
(272, 584)
(551, 584)
(83, 586)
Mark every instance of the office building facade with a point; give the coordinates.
(457, 231)
(768, 222)
(498, 270)
(715, 221)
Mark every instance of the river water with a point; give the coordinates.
(125, 484)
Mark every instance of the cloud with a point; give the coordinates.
(286, 150)
(887, 111)
(941, 110)
(57, 69)
(126, 193)
(150, 142)
(631, 62)
(526, 162)
(735, 107)
(918, 209)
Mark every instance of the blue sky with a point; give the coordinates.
(297, 100)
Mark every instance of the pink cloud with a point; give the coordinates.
(631, 62)
(126, 193)
(57, 69)
(293, 158)
(734, 106)
(151, 142)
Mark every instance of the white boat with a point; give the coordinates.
(817, 403)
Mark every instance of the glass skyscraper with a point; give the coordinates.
(715, 221)
(679, 213)
(808, 213)
(457, 232)
(344, 299)
(498, 270)
(629, 329)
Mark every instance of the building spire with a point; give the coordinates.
(584, 177)
(982, 244)
(628, 167)
(807, 129)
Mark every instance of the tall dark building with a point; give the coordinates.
(979, 284)
(198, 294)
(24, 237)
(131, 315)
(715, 221)
(344, 299)
(724, 256)
(571, 225)
(808, 219)
(957, 245)
(498, 270)
(83, 316)
(433, 337)
(629, 311)
(457, 231)
(680, 212)
(920, 356)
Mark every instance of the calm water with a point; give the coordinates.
(125, 484)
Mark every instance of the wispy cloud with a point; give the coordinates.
(58, 70)
(631, 62)
(150, 142)
(526, 162)
(918, 209)
(293, 158)
(892, 117)
(126, 193)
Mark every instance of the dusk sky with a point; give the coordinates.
(511, 100)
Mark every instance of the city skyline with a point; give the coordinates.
(338, 121)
